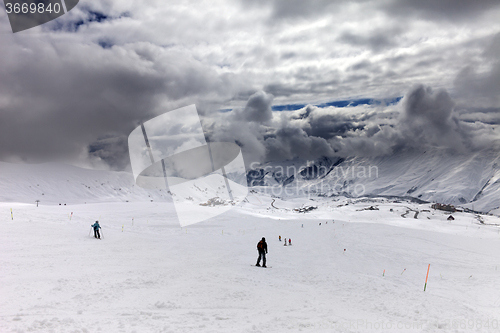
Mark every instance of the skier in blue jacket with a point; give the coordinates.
(96, 227)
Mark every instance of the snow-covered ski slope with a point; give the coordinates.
(149, 275)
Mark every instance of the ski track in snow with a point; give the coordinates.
(157, 277)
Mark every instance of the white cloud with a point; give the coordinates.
(69, 83)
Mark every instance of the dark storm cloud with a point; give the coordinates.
(307, 80)
(422, 104)
(247, 126)
(111, 150)
(290, 9)
(477, 89)
(294, 142)
(65, 96)
(376, 41)
(306, 87)
(330, 125)
(307, 9)
(258, 108)
(56, 107)
(364, 64)
(428, 118)
(478, 84)
(75, 88)
(422, 119)
(445, 10)
(282, 89)
(489, 116)
(482, 86)
(449, 10)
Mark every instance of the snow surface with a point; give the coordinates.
(148, 274)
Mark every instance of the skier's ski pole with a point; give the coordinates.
(102, 235)
(90, 230)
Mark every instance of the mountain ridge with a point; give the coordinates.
(437, 175)
(471, 181)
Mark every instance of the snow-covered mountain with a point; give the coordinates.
(471, 181)
(53, 183)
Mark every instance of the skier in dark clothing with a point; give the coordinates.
(262, 248)
(96, 227)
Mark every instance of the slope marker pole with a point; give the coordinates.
(428, 267)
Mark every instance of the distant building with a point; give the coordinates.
(448, 208)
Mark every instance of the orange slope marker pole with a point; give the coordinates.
(425, 285)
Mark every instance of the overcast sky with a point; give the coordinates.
(73, 89)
